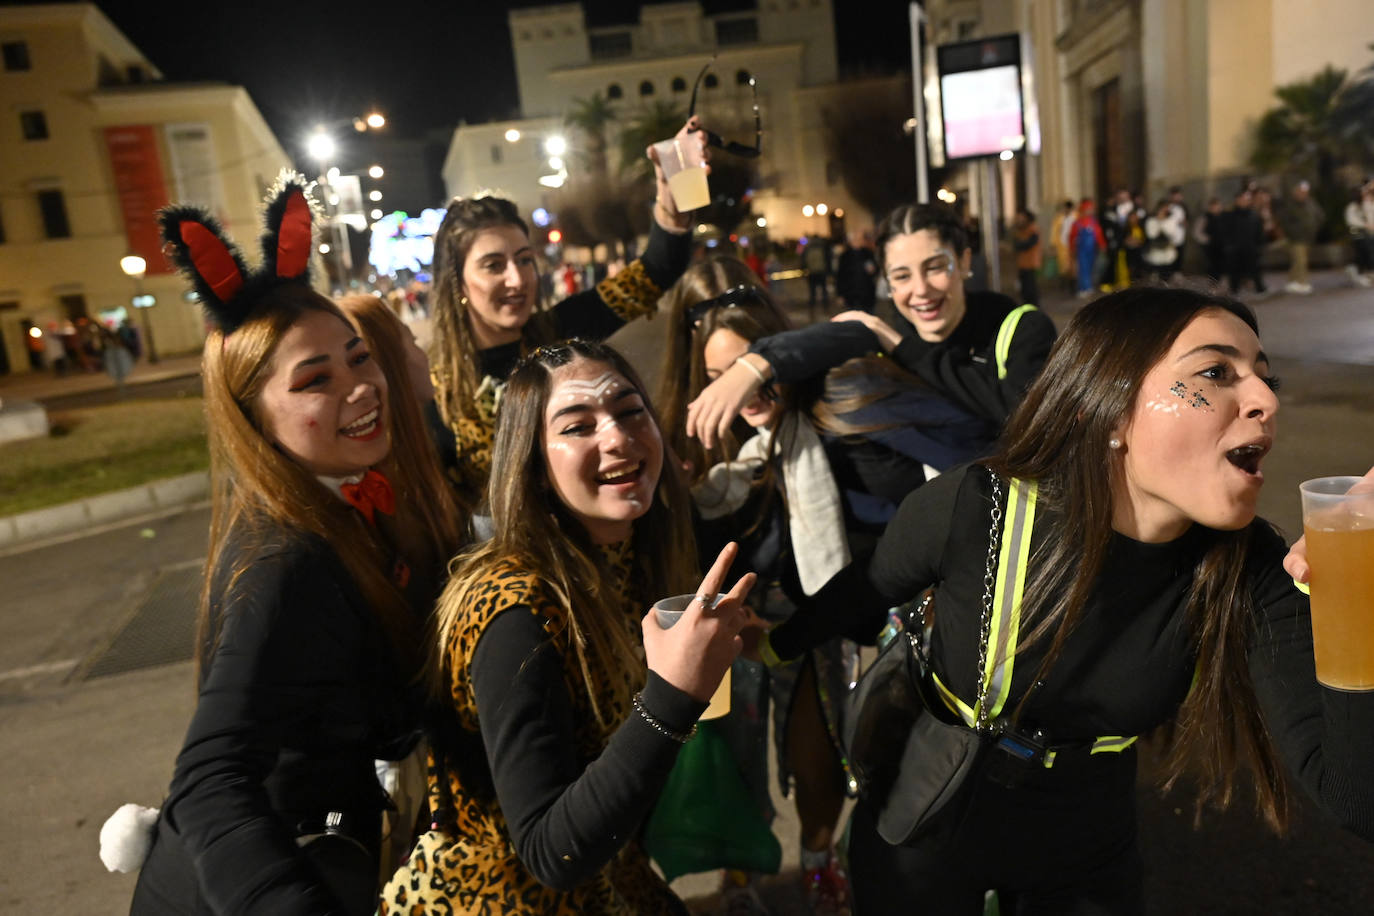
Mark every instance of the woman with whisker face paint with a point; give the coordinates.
(565, 703)
(487, 312)
(328, 538)
(1153, 600)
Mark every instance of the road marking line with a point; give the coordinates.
(45, 668)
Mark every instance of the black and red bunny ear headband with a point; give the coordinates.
(196, 243)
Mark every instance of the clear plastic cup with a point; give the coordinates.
(1339, 527)
(669, 611)
(685, 171)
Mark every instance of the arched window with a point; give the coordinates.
(613, 91)
(646, 88)
(742, 77)
(710, 82)
(679, 84)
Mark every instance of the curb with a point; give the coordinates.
(145, 499)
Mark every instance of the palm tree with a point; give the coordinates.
(589, 117)
(1354, 114)
(656, 122)
(1304, 136)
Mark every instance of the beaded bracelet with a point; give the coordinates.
(754, 369)
(658, 726)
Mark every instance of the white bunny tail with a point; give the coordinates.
(126, 837)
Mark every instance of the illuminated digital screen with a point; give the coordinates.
(982, 111)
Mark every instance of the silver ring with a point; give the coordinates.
(705, 600)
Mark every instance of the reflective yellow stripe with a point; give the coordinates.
(1112, 744)
(1004, 627)
(1004, 335)
(1011, 583)
(956, 705)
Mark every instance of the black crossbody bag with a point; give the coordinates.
(910, 754)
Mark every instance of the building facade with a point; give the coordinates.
(787, 46)
(1148, 94)
(93, 142)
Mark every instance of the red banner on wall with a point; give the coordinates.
(141, 189)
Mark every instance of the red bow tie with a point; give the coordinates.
(371, 495)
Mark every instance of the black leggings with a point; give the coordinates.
(1060, 853)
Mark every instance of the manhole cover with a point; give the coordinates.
(161, 631)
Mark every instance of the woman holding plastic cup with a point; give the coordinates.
(487, 312)
(1153, 596)
(566, 701)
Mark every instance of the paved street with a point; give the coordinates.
(77, 747)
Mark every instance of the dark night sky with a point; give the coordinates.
(425, 65)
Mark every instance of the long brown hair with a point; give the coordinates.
(419, 481)
(533, 528)
(258, 490)
(1059, 437)
(453, 350)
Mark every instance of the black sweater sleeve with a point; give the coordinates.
(910, 553)
(568, 817)
(286, 663)
(971, 378)
(1326, 736)
(806, 352)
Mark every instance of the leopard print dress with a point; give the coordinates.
(478, 865)
(630, 294)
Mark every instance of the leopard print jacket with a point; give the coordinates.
(630, 294)
(477, 864)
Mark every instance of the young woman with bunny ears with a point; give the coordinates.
(326, 550)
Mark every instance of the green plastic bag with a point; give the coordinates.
(705, 818)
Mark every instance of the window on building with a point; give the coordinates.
(710, 82)
(965, 28)
(737, 31)
(604, 45)
(679, 84)
(106, 73)
(613, 91)
(742, 77)
(646, 88)
(34, 124)
(16, 55)
(74, 304)
(54, 210)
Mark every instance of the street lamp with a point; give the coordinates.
(136, 267)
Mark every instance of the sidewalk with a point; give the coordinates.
(40, 386)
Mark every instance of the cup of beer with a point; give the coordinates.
(1339, 527)
(668, 612)
(685, 170)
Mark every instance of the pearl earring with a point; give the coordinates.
(1114, 443)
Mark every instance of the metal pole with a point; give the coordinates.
(147, 322)
(917, 16)
(991, 220)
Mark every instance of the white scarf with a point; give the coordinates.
(815, 517)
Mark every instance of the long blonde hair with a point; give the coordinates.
(533, 529)
(258, 491)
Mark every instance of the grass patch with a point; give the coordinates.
(94, 450)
